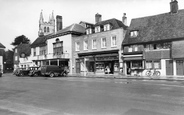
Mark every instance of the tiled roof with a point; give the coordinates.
(40, 41)
(165, 26)
(72, 28)
(114, 23)
(2, 46)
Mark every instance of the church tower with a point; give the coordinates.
(46, 28)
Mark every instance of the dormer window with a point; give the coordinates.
(97, 29)
(106, 27)
(134, 33)
(88, 31)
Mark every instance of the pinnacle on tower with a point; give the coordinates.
(41, 18)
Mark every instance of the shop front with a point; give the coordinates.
(98, 64)
(133, 65)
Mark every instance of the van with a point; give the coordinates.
(53, 70)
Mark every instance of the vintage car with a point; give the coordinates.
(21, 71)
(54, 70)
(35, 71)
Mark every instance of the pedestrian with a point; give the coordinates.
(107, 70)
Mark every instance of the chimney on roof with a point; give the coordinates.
(173, 6)
(124, 19)
(59, 23)
(98, 18)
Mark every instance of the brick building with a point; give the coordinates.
(99, 47)
(155, 42)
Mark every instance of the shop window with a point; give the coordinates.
(90, 66)
(100, 67)
(137, 64)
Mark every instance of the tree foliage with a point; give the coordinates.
(24, 50)
(22, 39)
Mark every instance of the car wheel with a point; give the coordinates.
(51, 75)
(35, 74)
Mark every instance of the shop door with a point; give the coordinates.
(179, 67)
(77, 67)
(169, 67)
(128, 68)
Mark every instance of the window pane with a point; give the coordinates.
(148, 64)
(156, 64)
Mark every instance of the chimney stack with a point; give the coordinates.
(59, 23)
(173, 6)
(124, 19)
(98, 18)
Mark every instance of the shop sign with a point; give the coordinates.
(107, 58)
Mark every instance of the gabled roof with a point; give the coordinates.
(74, 28)
(40, 41)
(160, 27)
(2, 46)
(77, 28)
(114, 23)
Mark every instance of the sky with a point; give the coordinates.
(21, 17)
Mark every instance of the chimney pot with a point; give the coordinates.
(173, 6)
(124, 19)
(59, 23)
(98, 18)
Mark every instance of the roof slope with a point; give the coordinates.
(114, 22)
(72, 28)
(2, 46)
(155, 28)
(40, 41)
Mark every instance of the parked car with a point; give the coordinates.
(54, 70)
(1, 72)
(35, 71)
(22, 71)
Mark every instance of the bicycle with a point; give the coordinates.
(153, 72)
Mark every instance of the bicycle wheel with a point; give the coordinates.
(157, 73)
(148, 73)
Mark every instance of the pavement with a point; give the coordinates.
(120, 76)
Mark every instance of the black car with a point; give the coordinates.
(54, 70)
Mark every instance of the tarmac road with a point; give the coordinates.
(89, 96)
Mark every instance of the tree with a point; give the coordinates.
(24, 50)
(22, 43)
(22, 39)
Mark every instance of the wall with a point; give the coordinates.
(120, 33)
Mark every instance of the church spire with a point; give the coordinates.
(41, 18)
